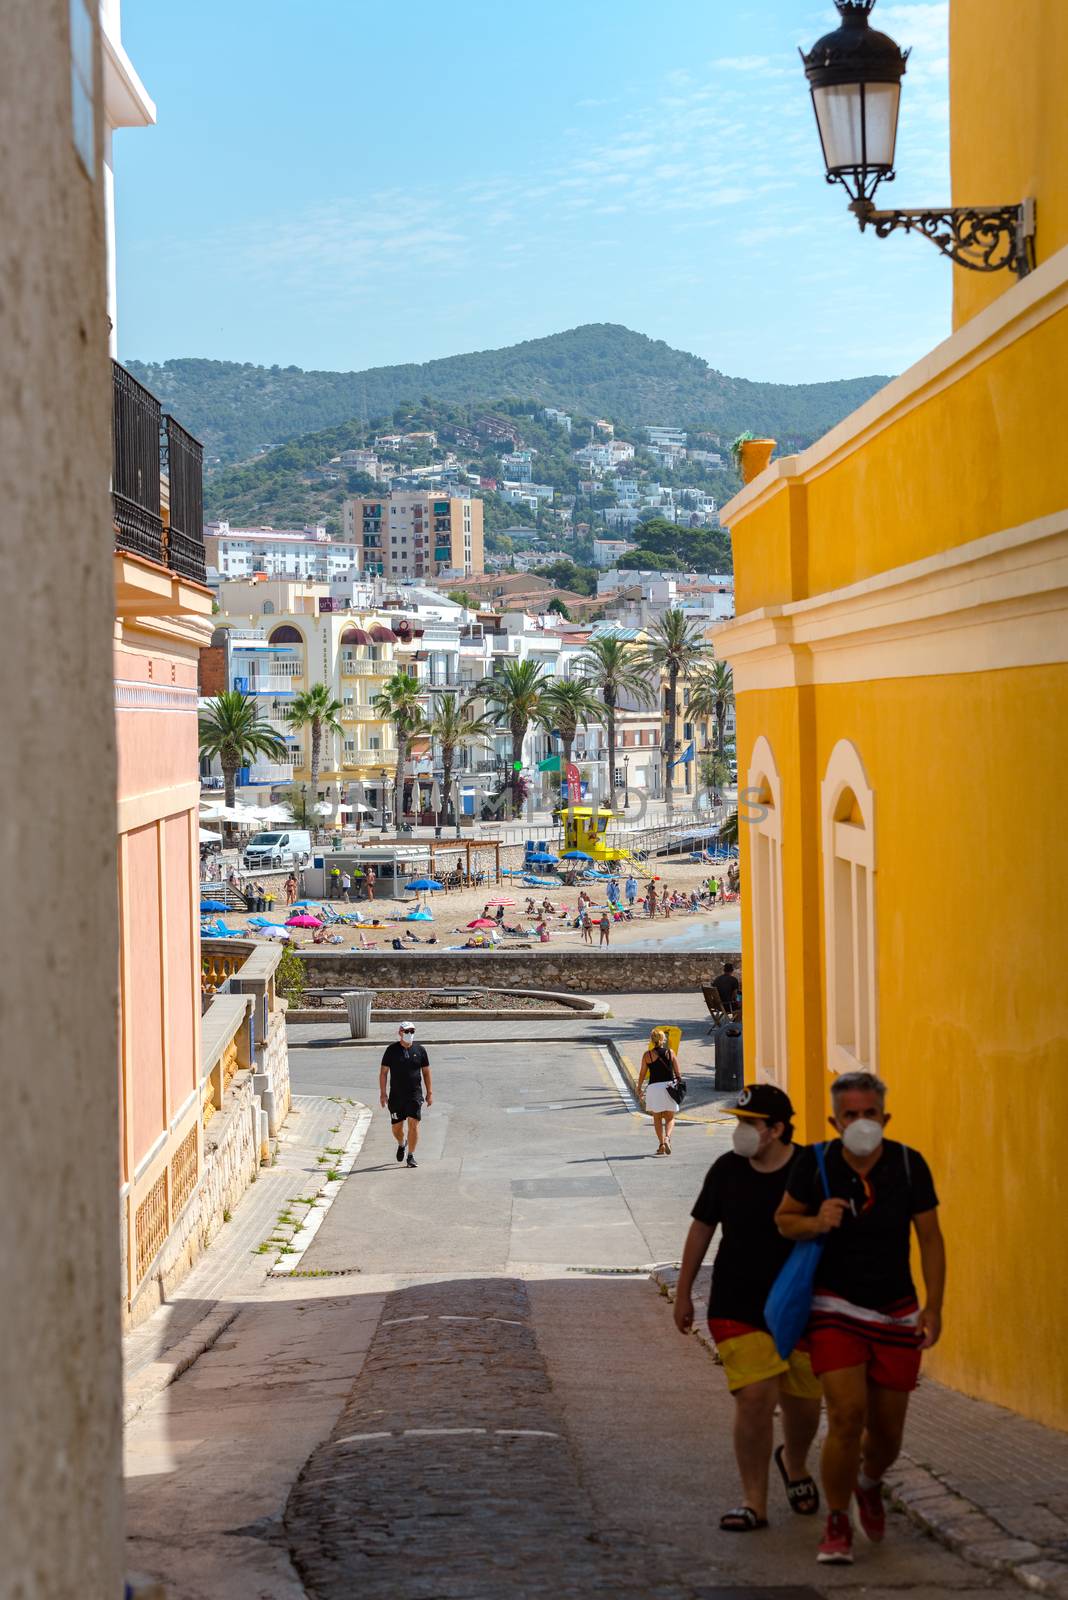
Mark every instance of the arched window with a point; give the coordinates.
(848, 811)
(268, 608)
(768, 978)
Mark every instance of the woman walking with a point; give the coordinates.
(291, 889)
(660, 1068)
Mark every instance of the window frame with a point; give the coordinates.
(767, 984)
(849, 920)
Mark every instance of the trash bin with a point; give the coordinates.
(730, 1072)
(358, 1006)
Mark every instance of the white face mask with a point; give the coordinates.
(746, 1139)
(863, 1137)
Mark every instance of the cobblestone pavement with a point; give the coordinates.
(449, 1473)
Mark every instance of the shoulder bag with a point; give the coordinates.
(789, 1304)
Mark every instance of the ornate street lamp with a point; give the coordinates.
(855, 77)
(382, 780)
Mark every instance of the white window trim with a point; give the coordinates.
(853, 844)
(768, 979)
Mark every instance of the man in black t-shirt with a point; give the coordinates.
(867, 1329)
(728, 988)
(741, 1194)
(406, 1070)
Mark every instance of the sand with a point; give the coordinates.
(453, 909)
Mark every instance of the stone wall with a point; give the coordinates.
(276, 1061)
(231, 1162)
(581, 971)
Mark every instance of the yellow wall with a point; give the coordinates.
(1008, 60)
(970, 981)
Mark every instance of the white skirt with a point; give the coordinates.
(658, 1099)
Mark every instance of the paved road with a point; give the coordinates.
(520, 1427)
(527, 1158)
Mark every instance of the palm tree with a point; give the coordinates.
(729, 831)
(566, 706)
(315, 708)
(675, 646)
(712, 695)
(515, 696)
(453, 725)
(232, 729)
(611, 668)
(398, 702)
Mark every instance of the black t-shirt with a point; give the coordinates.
(660, 1068)
(405, 1071)
(726, 986)
(743, 1202)
(866, 1259)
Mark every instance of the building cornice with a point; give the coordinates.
(994, 603)
(1021, 309)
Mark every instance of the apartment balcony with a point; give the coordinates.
(157, 506)
(361, 756)
(352, 668)
(355, 713)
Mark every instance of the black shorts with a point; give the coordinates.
(401, 1110)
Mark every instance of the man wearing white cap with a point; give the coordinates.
(404, 1075)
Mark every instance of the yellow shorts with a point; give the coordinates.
(752, 1357)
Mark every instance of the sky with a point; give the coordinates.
(341, 184)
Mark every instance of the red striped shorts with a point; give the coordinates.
(887, 1343)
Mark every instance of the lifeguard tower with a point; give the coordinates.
(586, 829)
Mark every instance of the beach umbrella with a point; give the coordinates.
(213, 905)
(208, 836)
(576, 855)
(482, 922)
(419, 916)
(273, 932)
(422, 884)
(303, 921)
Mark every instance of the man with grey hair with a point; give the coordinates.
(402, 1080)
(867, 1329)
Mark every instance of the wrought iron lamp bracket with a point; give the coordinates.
(981, 238)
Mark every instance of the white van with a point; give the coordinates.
(289, 847)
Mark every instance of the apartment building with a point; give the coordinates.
(416, 533)
(670, 438)
(306, 554)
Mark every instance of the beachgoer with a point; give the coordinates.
(741, 1194)
(291, 889)
(542, 931)
(660, 1066)
(630, 889)
(346, 886)
(402, 1080)
(867, 1330)
(605, 925)
(335, 883)
(586, 926)
(369, 880)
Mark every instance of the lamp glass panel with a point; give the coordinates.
(845, 112)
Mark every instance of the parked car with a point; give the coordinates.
(289, 847)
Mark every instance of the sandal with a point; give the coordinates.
(742, 1520)
(802, 1494)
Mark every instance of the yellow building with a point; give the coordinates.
(899, 657)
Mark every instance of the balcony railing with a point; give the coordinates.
(184, 457)
(145, 445)
(351, 668)
(136, 424)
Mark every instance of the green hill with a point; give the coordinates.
(600, 369)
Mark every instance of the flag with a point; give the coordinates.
(550, 764)
(687, 755)
(574, 784)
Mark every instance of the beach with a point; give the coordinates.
(713, 928)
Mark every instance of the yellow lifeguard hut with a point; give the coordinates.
(586, 829)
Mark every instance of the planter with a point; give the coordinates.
(755, 454)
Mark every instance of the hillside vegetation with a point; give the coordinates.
(600, 369)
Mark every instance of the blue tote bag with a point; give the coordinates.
(788, 1306)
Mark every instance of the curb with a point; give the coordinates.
(630, 1077)
(597, 1012)
(955, 1522)
(285, 1265)
(159, 1375)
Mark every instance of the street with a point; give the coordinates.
(474, 1388)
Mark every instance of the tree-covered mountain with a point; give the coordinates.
(600, 369)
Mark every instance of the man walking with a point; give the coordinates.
(741, 1194)
(346, 886)
(370, 877)
(867, 1329)
(404, 1075)
(630, 889)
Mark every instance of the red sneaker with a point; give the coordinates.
(837, 1545)
(871, 1511)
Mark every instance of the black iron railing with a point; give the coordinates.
(183, 459)
(135, 473)
(148, 444)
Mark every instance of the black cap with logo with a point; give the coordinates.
(763, 1100)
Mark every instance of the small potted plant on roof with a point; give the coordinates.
(750, 455)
